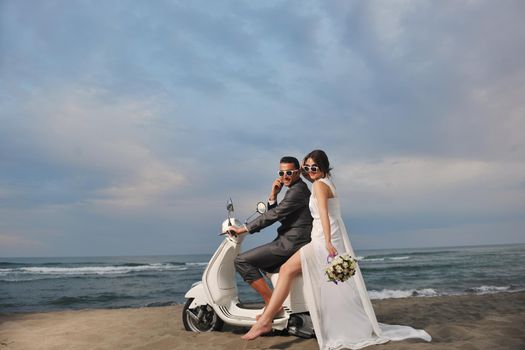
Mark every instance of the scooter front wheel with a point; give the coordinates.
(200, 319)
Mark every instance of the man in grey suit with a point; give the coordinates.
(294, 232)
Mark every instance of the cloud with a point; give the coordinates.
(91, 133)
(120, 119)
(439, 185)
(10, 243)
(150, 184)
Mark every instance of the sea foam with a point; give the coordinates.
(399, 293)
(488, 289)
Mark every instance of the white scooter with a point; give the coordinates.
(214, 300)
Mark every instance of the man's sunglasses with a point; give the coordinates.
(287, 172)
(311, 168)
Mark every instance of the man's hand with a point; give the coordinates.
(236, 230)
(276, 188)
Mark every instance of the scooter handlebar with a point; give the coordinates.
(230, 232)
(230, 222)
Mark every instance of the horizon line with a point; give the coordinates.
(210, 253)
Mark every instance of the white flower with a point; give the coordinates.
(341, 268)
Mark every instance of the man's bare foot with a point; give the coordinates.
(257, 330)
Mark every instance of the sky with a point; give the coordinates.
(126, 125)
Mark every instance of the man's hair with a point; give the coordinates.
(290, 160)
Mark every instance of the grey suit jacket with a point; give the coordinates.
(296, 221)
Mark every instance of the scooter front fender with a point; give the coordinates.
(198, 294)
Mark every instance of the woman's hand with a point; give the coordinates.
(331, 249)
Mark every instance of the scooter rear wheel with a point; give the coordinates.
(200, 319)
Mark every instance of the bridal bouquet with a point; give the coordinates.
(341, 268)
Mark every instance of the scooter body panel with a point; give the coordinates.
(219, 276)
(198, 294)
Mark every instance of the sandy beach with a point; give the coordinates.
(491, 321)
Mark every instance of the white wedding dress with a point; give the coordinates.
(342, 314)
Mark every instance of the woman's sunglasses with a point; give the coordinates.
(311, 168)
(287, 172)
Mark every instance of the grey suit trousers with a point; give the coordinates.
(250, 263)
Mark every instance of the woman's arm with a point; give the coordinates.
(322, 192)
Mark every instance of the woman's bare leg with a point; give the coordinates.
(288, 271)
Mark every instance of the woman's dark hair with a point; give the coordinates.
(321, 159)
(290, 160)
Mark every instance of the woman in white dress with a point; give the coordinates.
(342, 314)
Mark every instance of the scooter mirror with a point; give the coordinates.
(229, 206)
(261, 208)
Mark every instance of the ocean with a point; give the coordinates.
(49, 284)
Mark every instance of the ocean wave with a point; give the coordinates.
(92, 270)
(131, 264)
(10, 264)
(399, 293)
(430, 292)
(360, 258)
(5, 264)
(434, 252)
(400, 256)
(488, 289)
(197, 263)
(17, 278)
(408, 268)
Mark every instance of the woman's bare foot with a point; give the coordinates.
(279, 314)
(257, 330)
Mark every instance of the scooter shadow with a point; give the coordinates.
(243, 330)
